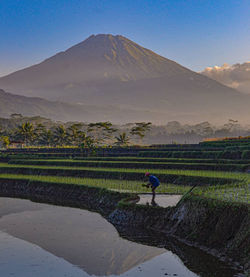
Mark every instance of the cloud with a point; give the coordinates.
(235, 76)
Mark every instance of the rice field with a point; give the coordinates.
(126, 174)
(238, 193)
(117, 185)
(201, 173)
(136, 164)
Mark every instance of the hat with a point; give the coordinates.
(147, 174)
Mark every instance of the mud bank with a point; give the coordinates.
(214, 226)
(218, 228)
(91, 198)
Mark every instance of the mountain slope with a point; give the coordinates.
(109, 70)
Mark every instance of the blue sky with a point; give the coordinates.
(194, 33)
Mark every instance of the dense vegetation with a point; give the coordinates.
(107, 134)
(76, 134)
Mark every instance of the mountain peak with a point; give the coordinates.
(107, 69)
(99, 58)
(107, 37)
(104, 43)
(117, 57)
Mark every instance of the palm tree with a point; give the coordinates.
(40, 134)
(60, 135)
(47, 138)
(74, 133)
(122, 139)
(26, 132)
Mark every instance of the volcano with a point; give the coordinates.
(106, 70)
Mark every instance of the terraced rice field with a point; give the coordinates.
(223, 179)
(137, 164)
(117, 185)
(215, 177)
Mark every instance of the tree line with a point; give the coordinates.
(77, 134)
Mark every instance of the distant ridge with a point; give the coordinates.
(34, 106)
(109, 70)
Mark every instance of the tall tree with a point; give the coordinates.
(26, 133)
(40, 134)
(47, 138)
(5, 141)
(140, 129)
(101, 132)
(122, 139)
(75, 135)
(60, 135)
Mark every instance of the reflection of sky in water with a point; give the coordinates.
(78, 236)
(45, 240)
(22, 259)
(159, 266)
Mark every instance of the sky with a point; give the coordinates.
(194, 33)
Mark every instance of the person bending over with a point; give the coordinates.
(153, 183)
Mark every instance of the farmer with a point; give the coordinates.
(154, 183)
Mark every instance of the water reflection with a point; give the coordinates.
(39, 237)
(81, 237)
(22, 259)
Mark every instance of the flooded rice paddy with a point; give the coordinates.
(45, 240)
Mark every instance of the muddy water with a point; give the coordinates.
(44, 240)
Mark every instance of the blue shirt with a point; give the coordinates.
(154, 181)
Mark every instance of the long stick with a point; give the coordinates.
(186, 193)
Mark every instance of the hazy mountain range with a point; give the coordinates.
(130, 83)
(235, 76)
(32, 106)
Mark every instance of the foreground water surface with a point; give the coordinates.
(45, 240)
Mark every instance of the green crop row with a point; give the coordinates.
(123, 158)
(237, 193)
(197, 154)
(116, 185)
(161, 160)
(225, 143)
(239, 147)
(230, 193)
(136, 164)
(230, 175)
(180, 177)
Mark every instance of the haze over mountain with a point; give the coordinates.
(34, 106)
(236, 76)
(109, 70)
(29, 106)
